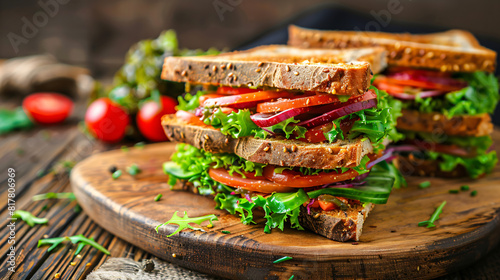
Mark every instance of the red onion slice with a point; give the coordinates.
(422, 94)
(269, 119)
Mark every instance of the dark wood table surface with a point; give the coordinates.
(38, 157)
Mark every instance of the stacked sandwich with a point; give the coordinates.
(448, 90)
(299, 134)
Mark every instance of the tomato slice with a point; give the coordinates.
(232, 90)
(419, 84)
(202, 98)
(326, 205)
(285, 104)
(189, 118)
(256, 185)
(296, 179)
(245, 100)
(47, 108)
(389, 88)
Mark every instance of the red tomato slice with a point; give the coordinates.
(245, 100)
(389, 88)
(189, 117)
(149, 118)
(264, 186)
(419, 84)
(47, 108)
(298, 180)
(285, 104)
(208, 96)
(326, 205)
(232, 90)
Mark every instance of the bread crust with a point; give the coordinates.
(450, 51)
(426, 168)
(412, 120)
(277, 151)
(328, 71)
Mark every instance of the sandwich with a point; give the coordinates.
(448, 89)
(295, 135)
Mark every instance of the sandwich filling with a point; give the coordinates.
(240, 186)
(455, 96)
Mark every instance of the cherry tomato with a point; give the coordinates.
(149, 118)
(47, 108)
(246, 100)
(232, 90)
(106, 120)
(256, 185)
(296, 179)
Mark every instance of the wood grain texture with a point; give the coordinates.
(392, 245)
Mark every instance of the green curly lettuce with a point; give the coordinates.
(476, 166)
(189, 102)
(479, 97)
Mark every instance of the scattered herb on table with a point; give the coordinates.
(116, 174)
(454, 191)
(226, 231)
(424, 184)
(82, 240)
(183, 222)
(133, 169)
(124, 149)
(473, 193)
(464, 188)
(13, 120)
(434, 217)
(291, 277)
(158, 197)
(51, 195)
(68, 165)
(29, 218)
(140, 145)
(286, 258)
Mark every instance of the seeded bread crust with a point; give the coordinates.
(277, 151)
(450, 51)
(336, 225)
(476, 126)
(281, 67)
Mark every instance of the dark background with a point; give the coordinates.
(96, 34)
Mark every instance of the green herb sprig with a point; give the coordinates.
(54, 242)
(183, 222)
(434, 217)
(29, 218)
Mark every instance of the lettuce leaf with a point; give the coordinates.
(481, 144)
(288, 129)
(189, 102)
(475, 166)
(479, 97)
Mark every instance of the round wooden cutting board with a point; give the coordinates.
(392, 246)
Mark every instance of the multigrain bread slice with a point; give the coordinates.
(336, 224)
(412, 120)
(277, 151)
(343, 72)
(453, 50)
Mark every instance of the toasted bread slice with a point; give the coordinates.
(277, 151)
(411, 166)
(281, 67)
(412, 120)
(336, 224)
(452, 51)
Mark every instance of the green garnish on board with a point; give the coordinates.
(434, 217)
(29, 218)
(286, 258)
(82, 240)
(424, 184)
(158, 197)
(183, 222)
(52, 195)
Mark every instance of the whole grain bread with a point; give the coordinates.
(451, 51)
(336, 224)
(343, 72)
(412, 120)
(277, 151)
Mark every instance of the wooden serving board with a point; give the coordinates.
(392, 246)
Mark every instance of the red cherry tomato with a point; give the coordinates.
(47, 108)
(149, 118)
(106, 120)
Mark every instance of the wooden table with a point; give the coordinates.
(37, 157)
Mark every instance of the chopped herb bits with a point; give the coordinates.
(454, 191)
(464, 188)
(226, 232)
(434, 217)
(283, 259)
(158, 197)
(133, 169)
(473, 193)
(140, 145)
(116, 174)
(424, 184)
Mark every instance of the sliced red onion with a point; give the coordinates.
(422, 94)
(232, 193)
(308, 207)
(198, 112)
(380, 159)
(339, 112)
(436, 80)
(247, 196)
(403, 148)
(269, 119)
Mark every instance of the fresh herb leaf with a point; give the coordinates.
(29, 218)
(226, 232)
(473, 193)
(13, 120)
(133, 169)
(434, 217)
(190, 102)
(286, 258)
(54, 242)
(116, 174)
(183, 222)
(158, 197)
(464, 188)
(52, 195)
(124, 149)
(140, 145)
(454, 191)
